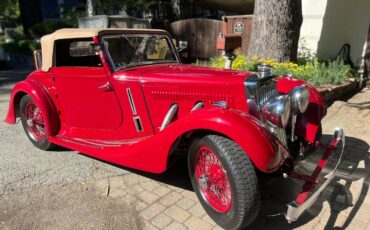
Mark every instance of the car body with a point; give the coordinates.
(122, 96)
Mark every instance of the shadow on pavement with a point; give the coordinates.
(276, 191)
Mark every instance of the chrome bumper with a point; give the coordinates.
(296, 209)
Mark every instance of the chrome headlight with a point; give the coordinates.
(300, 96)
(277, 110)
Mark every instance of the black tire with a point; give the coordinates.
(241, 176)
(40, 142)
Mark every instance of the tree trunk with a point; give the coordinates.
(275, 30)
(89, 8)
(30, 14)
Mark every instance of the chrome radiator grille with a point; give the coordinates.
(265, 92)
(261, 90)
(281, 135)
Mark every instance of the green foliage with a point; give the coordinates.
(19, 44)
(315, 72)
(136, 5)
(21, 47)
(47, 27)
(139, 5)
(107, 5)
(15, 34)
(71, 15)
(9, 9)
(304, 52)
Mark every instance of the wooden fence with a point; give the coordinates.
(201, 35)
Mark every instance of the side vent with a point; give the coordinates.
(138, 124)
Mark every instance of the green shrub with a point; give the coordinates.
(315, 72)
(15, 34)
(21, 47)
(19, 43)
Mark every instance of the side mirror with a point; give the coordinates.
(183, 44)
(180, 45)
(37, 58)
(181, 49)
(96, 47)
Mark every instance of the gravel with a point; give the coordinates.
(23, 166)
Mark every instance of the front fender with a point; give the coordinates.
(42, 99)
(309, 122)
(246, 131)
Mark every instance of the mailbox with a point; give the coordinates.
(228, 41)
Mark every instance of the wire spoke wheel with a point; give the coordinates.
(213, 180)
(224, 181)
(35, 122)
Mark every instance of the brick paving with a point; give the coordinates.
(344, 205)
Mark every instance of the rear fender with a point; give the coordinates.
(245, 130)
(42, 99)
(309, 122)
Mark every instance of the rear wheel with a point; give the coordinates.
(33, 123)
(224, 180)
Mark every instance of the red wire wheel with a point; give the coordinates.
(212, 179)
(224, 181)
(35, 121)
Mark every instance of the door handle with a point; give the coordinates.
(107, 87)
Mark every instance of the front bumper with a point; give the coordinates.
(305, 199)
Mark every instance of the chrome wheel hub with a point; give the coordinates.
(29, 122)
(203, 181)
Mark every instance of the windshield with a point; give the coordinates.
(138, 49)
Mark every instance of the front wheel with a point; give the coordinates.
(33, 123)
(224, 180)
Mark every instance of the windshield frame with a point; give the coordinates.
(166, 36)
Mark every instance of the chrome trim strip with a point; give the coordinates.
(295, 210)
(131, 100)
(197, 106)
(167, 119)
(222, 104)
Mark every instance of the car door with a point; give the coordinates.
(84, 93)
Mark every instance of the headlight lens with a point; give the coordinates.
(277, 110)
(300, 98)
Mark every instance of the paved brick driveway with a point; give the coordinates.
(344, 205)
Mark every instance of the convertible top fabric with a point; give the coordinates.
(48, 41)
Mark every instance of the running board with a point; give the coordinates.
(100, 144)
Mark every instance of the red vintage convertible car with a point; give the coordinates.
(122, 95)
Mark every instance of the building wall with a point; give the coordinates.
(313, 12)
(328, 24)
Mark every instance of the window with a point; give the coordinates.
(81, 49)
(76, 52)
(138, 49)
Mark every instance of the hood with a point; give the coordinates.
(185, 85)
(193, 74)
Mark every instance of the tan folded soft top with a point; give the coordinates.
(48, 41)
